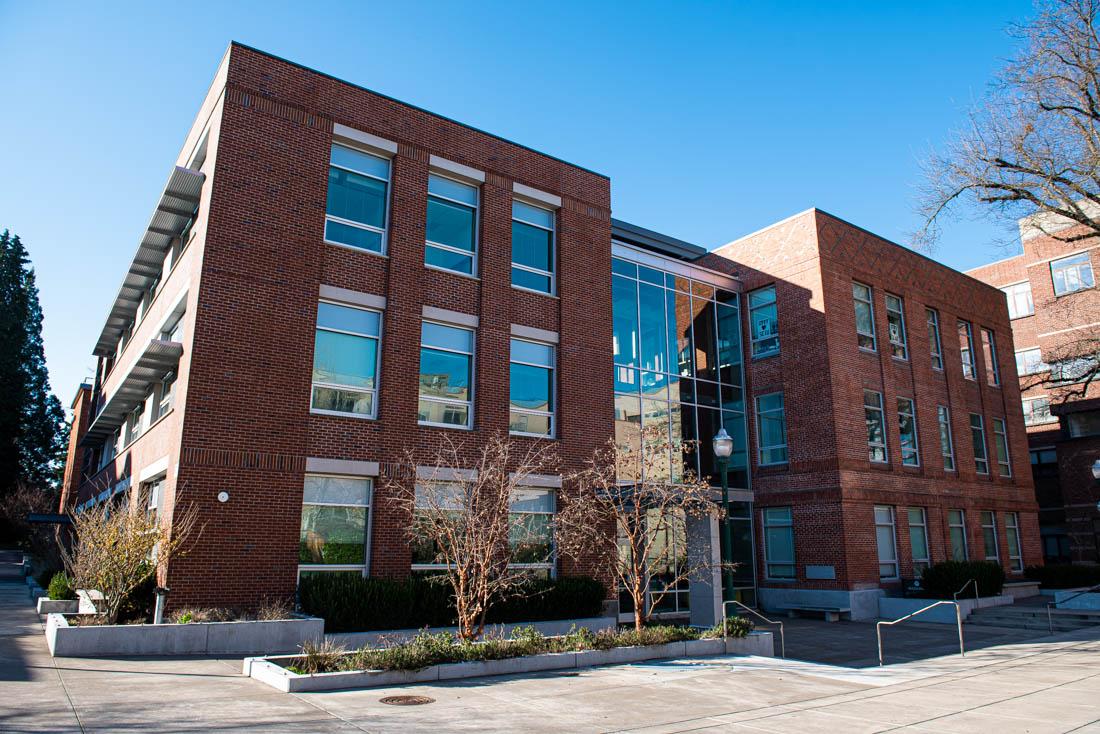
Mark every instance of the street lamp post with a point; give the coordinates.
(723, 447)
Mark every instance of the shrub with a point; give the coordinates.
(942, 580)
(1064, 576)
(735, 627)
(61, 587)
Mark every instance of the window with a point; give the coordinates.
(895, 326)
(989, 350)
(1074, 369)
(935, 345)
(446, 376)
(345, 360)
(1019, 300)
(876, 426)
(989, 536)
(164, 399)
(451, 229)
(135, 423)
(531, 388)
(947, 441)
(357, 192)
(966, 349)
(1000, 447)
(778, 543)
(532, 247)
(885, 539)
(1012, 536)
(334, 523)
(956, 526)
(918, 540)
(153, 495)
(173, 329)
(764, 322)
(977, 436)
(771, 423)
(1030, 362)
(865, 315)
(1073, 273)
(907, 430)
(1037, 411)
(1085, 423)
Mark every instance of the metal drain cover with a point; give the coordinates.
(406, 700)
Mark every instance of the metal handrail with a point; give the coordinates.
(750, 610)
(958, 621)
(1051, 604)
(977, 595)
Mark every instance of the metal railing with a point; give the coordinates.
(1052, 604)
(750, 610)
(958, 621)
(968, 583)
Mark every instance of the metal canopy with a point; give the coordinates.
(158, 359)
(177, 205)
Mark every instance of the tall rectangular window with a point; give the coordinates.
(989, 535)
(446, 376)
(778, 543)
(895, 326)
(1019, 300)
(907, 430)
(989, 350)
(1030, 362)
(1000, 446)
(531, 388)
(977, 436)
(918, 540)
(1037, 411)
(451, 228)
(532, 247)
(1012, 537)
(966, 349)
(334, 523)
(876, 426)
(886, 540)
(956, 527)
(345, 360)
(947, 441)
(1073, 273)
(771, 422)
(357, 194)
(935, 344)
(862, 298)
(532, 535)
(764, 321)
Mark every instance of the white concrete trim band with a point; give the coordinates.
(530, 332)
(158, 467)
(359, 137)
(341, 466)
(450, 317)
(355, 298)
(541, 197)
(456, 169)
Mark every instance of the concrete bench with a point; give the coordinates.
(832, 614)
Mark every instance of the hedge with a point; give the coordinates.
(1064, 576)
(348, 602)
(943, 579)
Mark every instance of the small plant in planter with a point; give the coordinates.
(61, 587)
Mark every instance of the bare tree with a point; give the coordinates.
(463, 520)
(628, 513)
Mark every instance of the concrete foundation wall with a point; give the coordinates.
(863, 603)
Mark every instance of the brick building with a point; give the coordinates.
(1055, 312)
(333, 277)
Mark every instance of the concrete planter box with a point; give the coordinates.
(1085, 601)
(269, 671)
(552, 628)
(197, 638)
(1021, 589)
(895, 608)
(57, 606)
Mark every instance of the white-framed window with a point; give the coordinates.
(1019, 300)
(335, 523)
(358, 196)
(918, 539)
(1074, 369)
(1000, 447)
(531, 388)
(1073, 273)
(1012, 537)
(153, 492)
(895, 326)
(533, 247)
(966, 349)
(172, 331)
(1037, 411)
(1083, 423)
(1030, 362)
(907, 432)
(863, 300)
(135, 423)
(164, 394)
(764, 322)
(345, 360)
(886, 541)
(446, 376)
(992, 366)
(947, 441)
(778, 543)
(977, 436)
(956, 528)
(989, 535)
(451, 228)
(771, 422)
(876, 426)
(935, 344)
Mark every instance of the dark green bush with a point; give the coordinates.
(943, 579)
(61, 587)
(349, 602)
(1064, 576)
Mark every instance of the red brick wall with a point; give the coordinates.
(74, 457)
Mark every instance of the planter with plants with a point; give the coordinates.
(60, 596)
(941, 581)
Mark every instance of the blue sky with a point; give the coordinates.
(712, 119)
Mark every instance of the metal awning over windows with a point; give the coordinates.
(176, 207)
(157, 360)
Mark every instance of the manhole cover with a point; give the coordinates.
(406, 700)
